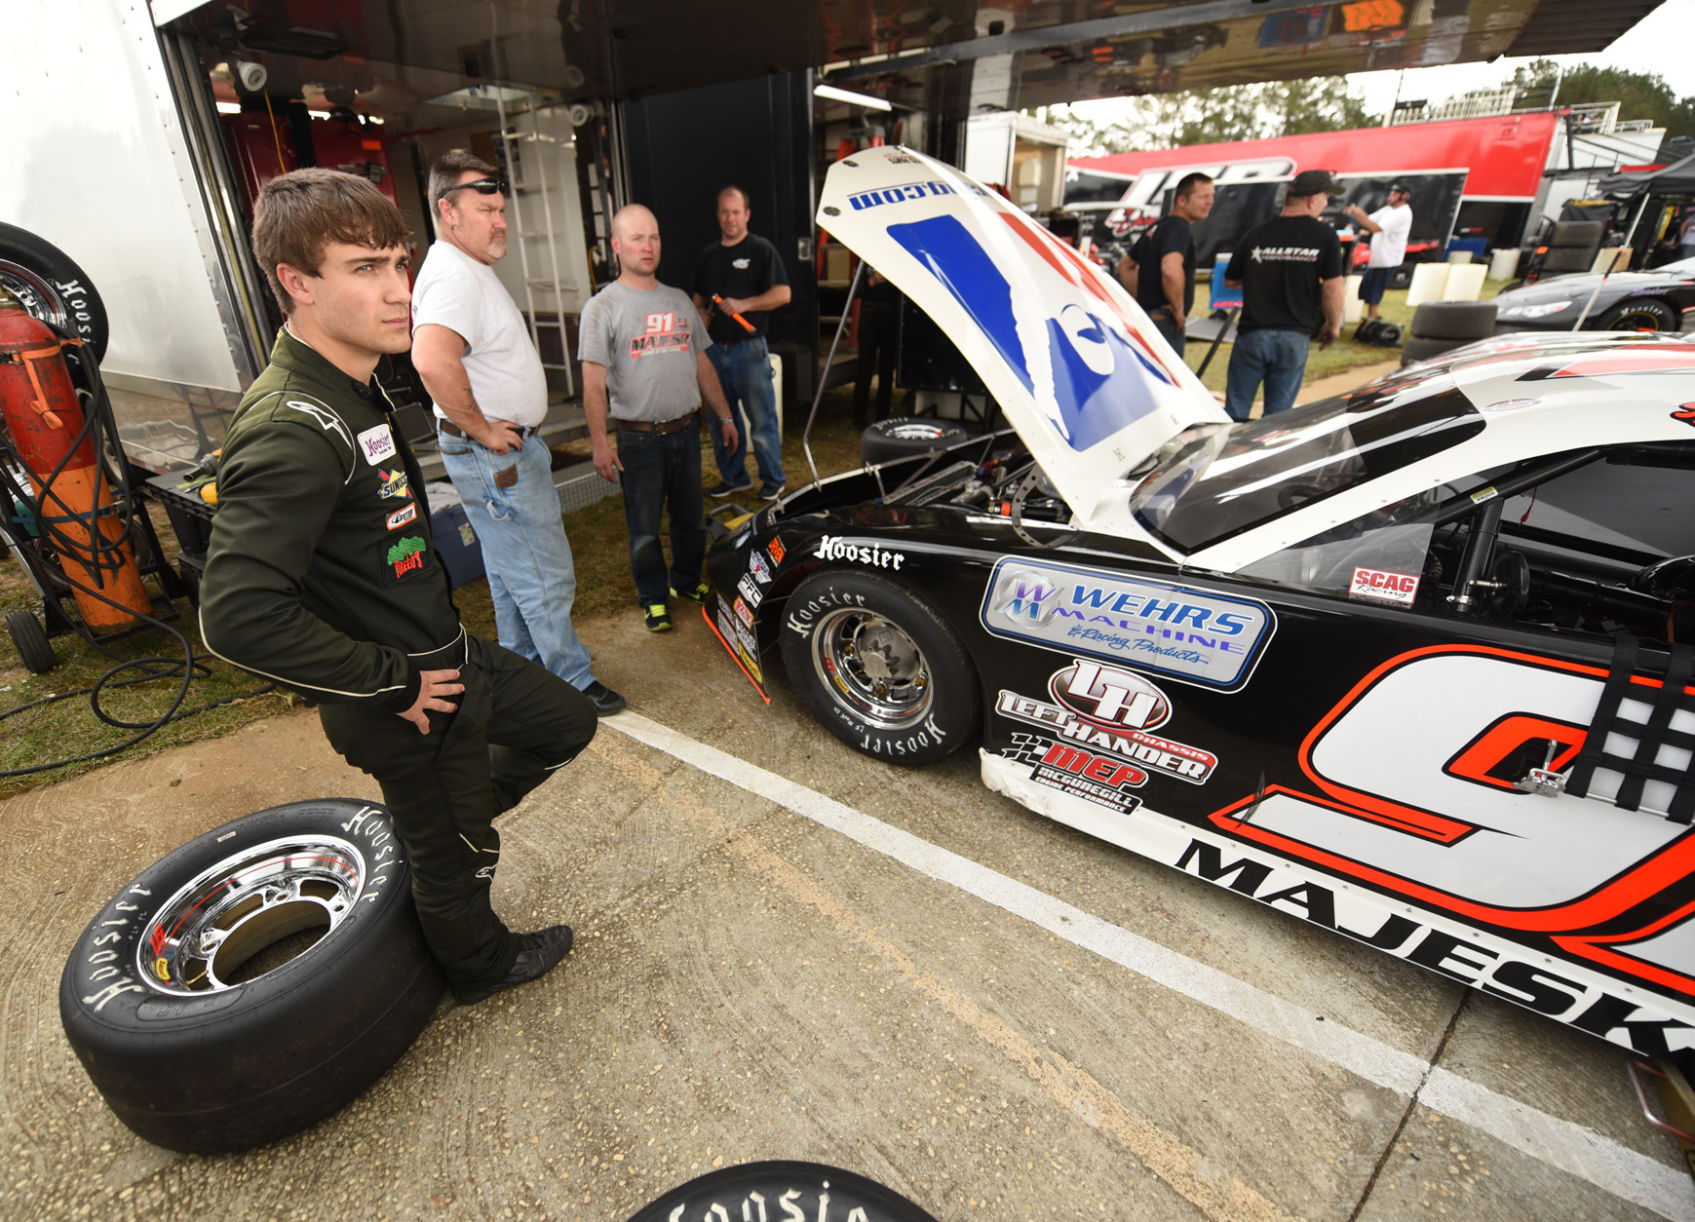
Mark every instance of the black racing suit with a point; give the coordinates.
(322, 574)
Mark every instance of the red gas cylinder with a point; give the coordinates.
(45, 420)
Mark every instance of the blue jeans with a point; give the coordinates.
(662, 471)
(530, 574)
(744, 371)
(1277, 358)
(1169, 331)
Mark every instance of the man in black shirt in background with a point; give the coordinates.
(1290, 272)
(1159, 269)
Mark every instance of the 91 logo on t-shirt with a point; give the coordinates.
(665, 332)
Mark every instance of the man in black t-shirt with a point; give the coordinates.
(737, 281)
(1290, 272)
(1159, 270)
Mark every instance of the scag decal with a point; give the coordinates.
(1195, 636)
(376, 444)
(1380, 585)
(873, 555)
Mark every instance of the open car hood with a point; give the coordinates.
(1075, 365)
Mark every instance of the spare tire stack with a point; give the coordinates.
(1438, 326)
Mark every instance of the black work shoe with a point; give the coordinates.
(771, 492)
(606, 701)
(723, 489)
(538, 954)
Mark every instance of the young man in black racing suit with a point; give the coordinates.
(323, 575)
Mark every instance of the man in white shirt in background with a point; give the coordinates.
(476, 358)
(1389, 228)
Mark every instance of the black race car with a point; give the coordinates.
(1654, 300)
(1411, 664)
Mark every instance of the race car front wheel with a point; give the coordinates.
(879, 667)
(254, 980)
(52, 287)
(1643, 314)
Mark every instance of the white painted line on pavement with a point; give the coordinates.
(1562, 1144)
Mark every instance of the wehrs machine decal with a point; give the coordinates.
(1195, 636)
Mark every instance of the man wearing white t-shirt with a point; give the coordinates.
(476, 358)
(1389, 228)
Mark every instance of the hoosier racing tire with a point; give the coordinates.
(904, 436)
(879, 667)
(202, 1018)
(52, 287)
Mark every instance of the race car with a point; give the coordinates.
(1654, 300)
(1411, 664)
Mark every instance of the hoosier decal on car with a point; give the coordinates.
(1111, 711)
(872, 554)
(1195, 636)
(1080, 773)
(1380, 585)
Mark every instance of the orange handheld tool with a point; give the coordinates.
(746, 325)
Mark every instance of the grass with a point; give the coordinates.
(599, 543)
(1340, 357)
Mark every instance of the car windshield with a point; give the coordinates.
(1212, 483)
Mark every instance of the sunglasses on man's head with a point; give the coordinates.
(482, 186)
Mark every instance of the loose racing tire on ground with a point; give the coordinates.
(1462, 320)
(34, 650)
(879, 667)
(186, 1009)
(52, 287)
(904, 436)
(1642, 314)
(1418, 348)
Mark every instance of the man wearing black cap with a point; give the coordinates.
(1290, 273)
(1388, 227)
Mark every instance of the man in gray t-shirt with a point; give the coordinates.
(643, 348)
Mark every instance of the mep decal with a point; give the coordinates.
(1383, 586)
(1194, 636)
(903, 194)
(392, 485)
(873, 555)
(1078, 772)
(376, 444)
(1111, 712)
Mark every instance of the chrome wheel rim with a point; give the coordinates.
(873, 668)
(37, 295)
(202, 937)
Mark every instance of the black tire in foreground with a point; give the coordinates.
(878, 666)
(1640, 314)
(27, 634)
(201, 1006)
(52, 287)
(801, 1190)
(1461, 320)
(1418, 348)
(904, 436)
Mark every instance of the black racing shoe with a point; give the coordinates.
(606, 701)
(538, 954)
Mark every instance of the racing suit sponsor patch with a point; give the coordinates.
(376, 444)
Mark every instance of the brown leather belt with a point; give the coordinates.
(656, 426)
(453, 430)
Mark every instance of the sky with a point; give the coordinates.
(1659, 43)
